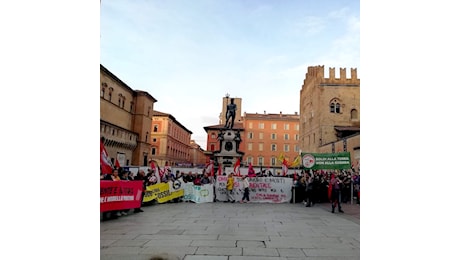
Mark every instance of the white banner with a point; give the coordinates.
(261, 189)
(199, 193)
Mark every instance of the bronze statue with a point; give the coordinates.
(231, 111)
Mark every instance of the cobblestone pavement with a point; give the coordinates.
(233, 231)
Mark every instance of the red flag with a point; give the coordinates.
(220, 170)
(236, 169)
(117, 164)
(106, 165)
(152, 165)
(285, 167)
(295, 176)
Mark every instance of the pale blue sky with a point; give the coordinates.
(189, 54)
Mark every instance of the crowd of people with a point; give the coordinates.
(322, 186)
(310, 187)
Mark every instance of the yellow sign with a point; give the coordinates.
(161, 192)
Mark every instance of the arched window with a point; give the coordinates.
(334, 106)
(354, 114)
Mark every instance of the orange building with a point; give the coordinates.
(198, 157)
(267, 136)
(170, 141)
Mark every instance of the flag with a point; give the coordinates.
(296, 161)
(236, 169)
(106, 165)
(152, 165)
(281, 157)
(117, 164)
(285, 167)
(295, 176)
(209, 169)
(219, 172)
(251, 172)
(212, 170)
(329, 188)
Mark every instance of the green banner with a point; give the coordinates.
(319, 161)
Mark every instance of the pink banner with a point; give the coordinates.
(117, 195)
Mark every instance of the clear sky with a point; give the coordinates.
(189, 54)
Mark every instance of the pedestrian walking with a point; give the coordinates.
(246, 189)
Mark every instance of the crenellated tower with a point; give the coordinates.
(326, 105)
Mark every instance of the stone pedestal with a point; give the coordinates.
(229, 153)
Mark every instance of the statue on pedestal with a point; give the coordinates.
(230, 115)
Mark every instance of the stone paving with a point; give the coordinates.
(233, 231)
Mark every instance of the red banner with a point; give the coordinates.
(117, 195)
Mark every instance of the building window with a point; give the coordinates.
(154, 140)
(119, 102)
(286, 136)
(250, 125)
(261, 147)
(261, 161)
(212, 147)
(213, 136)
(286, 126)
(146, 136)
(102, 92)
(296, 148)
(286, 148)
(249, 146)
(314, 138)
(354, 114)
(273, 161)
(123, 103)
(273, 136)
(155, 128)
(153, 151)
(274, 126)
(249, 160)
(334, 106)
(110, 96)
(297, 127)
(261, 136)
(261, 125)
(296, 137)
(273, 147)
(131, 106)
(250, 135)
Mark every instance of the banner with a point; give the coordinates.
(163, 192)
(317, 161)
(200, 193)
(117, 195)
(261, 189)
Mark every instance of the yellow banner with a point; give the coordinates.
(161, 192)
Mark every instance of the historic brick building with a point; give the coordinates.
(170, 140)
(267, 136)
(329, 112)
(198, 156)
(125, 120)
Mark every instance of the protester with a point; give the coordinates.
(141, 177)
(335, 193)
(113, 214)
(230, 183)
(246, 189)
(309, 191)
(205, 179)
